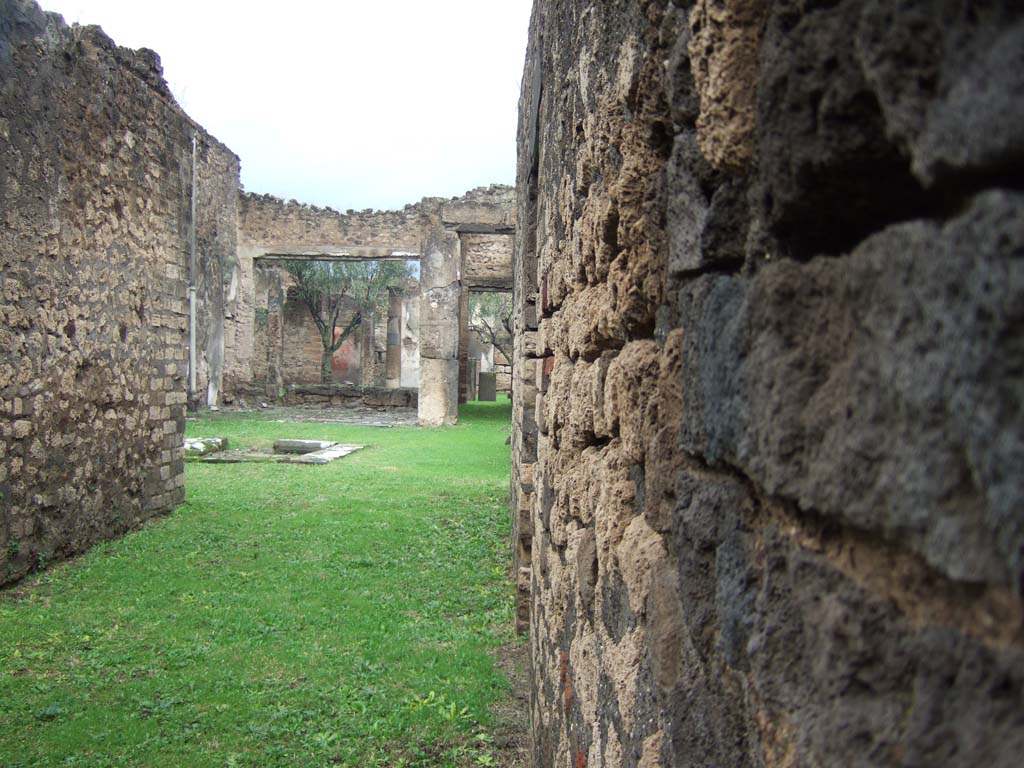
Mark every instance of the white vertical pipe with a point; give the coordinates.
(192, 281)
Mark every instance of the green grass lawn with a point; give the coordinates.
(285, 615)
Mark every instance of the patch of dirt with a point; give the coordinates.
(358, 415)
(512, 714)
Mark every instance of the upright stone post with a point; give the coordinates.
(440, 291)
(464, 346)
(367, 351)
(393, 359)
(275, 336)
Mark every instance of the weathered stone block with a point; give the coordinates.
(488, 384)
(807, 415)
(530, 340)
(201, 446)
(526, 477)
(439, 392)
(301, 446)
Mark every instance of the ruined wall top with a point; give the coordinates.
(269, 222)
(482, 209)
(24, 20)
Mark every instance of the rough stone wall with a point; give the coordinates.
(767, 499)
(95, 186)
(270, 222)
(345, 395)
(488, 260)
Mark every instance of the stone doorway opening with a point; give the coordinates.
(337, 320)
(489, 344)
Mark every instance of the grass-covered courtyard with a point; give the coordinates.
(285, 615)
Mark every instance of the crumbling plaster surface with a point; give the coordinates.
(95, 190)
(767, 410)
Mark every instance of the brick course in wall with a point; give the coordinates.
(768, 431)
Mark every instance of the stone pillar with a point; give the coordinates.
(441, 290)
(474, 373)
(463, 345)
(367, 353)
(393, 361)
(275, 335)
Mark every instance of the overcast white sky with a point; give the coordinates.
(351, 103)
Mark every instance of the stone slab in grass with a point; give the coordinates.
(301, 446)
(240, 457)
(332, 452)
(196, 447)
(325, 455)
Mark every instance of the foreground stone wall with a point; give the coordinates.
(95, 189)
(769, 370)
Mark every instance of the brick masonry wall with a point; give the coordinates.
(767, 499)
(94, 191)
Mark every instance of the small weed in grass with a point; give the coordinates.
(285, 615)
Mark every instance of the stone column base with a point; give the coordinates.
(439, 392)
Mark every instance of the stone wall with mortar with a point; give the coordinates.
(769, 272)
(95, 192)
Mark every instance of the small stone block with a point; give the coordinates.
(239, 458)
(530, 341)
(544, 368)
(203, 446)
(301, 446)
(526, 477)
(530, 317)
(488, 386)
